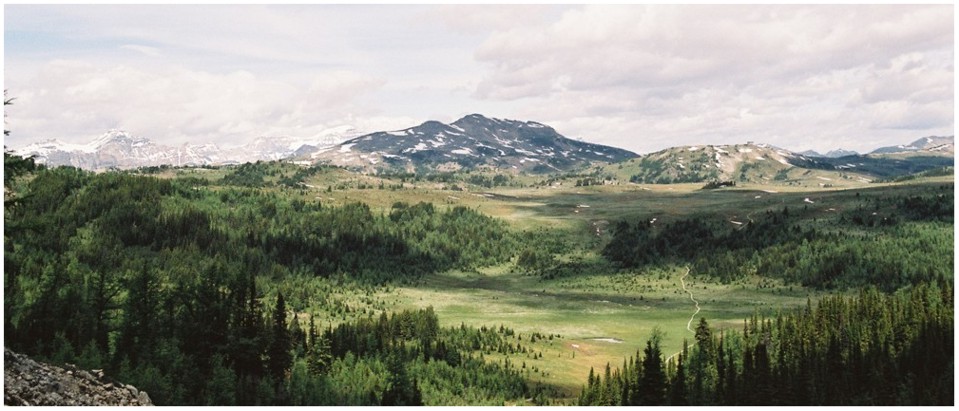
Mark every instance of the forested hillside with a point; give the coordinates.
(872, 349)
(157, 281)
(878, 240)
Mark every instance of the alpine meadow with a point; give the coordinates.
(293, 224)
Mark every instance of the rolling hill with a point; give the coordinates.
(765, 164)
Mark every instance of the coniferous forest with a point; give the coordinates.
(203, 292)
(871, 349)
(852, 248)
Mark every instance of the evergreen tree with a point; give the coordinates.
(319, 356)
(653, 386)
(677, 389)
(399, 390)
(139, 324)
(279, 349)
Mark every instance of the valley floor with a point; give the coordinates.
(600, 319)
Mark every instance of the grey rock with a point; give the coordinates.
(54, 387)
(27, 382)
(85, 375)
(144, 398)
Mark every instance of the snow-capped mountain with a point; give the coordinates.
(471, 142)
(122, 150)
(931, 144)
(118, 149)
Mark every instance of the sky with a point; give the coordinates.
(643, 78)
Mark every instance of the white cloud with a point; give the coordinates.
(145, 50)
(480, 18)
(654, 76)
(75, 100)
(638, 77)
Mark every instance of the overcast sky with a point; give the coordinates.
(637, 77)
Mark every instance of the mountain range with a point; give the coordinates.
(932, 144)
(117, 149)
(476, 142)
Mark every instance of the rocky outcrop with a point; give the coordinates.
(27, 382)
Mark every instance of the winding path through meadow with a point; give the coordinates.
(682, 280)
(689, 324)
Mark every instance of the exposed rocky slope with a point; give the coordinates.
(28, 382)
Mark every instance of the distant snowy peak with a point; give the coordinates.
(474, 141)
(123, 150)
(932, 145)
(117, 149)
(108, 138)
(119, 137)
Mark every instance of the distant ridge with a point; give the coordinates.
(702, 163)
(765, 164)
(831, 154)
(931, 144)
